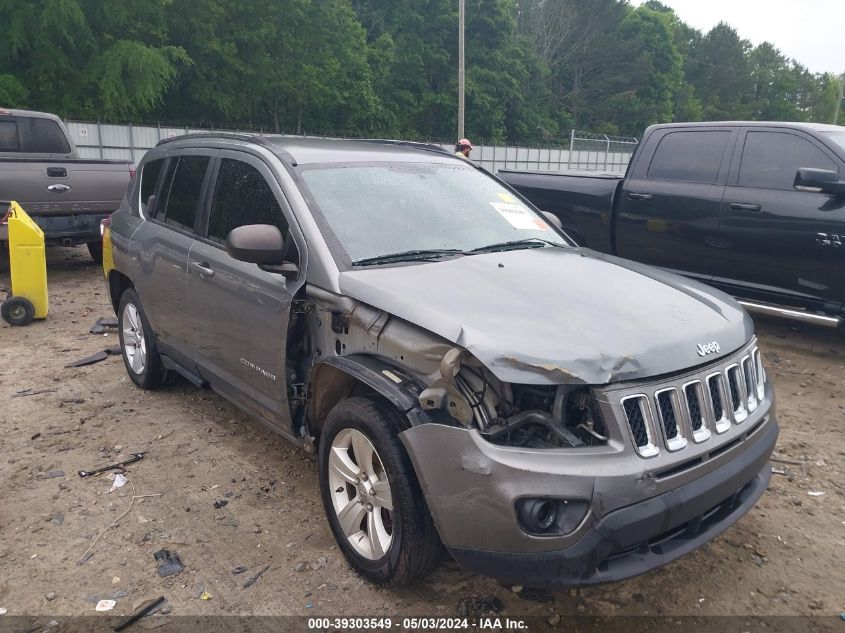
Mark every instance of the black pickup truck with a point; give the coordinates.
(754, 208)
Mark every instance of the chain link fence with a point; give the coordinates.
(587, 151)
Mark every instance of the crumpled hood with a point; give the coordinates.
(552, 315)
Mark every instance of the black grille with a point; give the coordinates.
(667, 414)
(734, 386)
(716, 397)
(634, 413)
(696, 418)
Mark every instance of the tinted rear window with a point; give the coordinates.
(183, 201)
(32, 135)
(770, 160)
(689, 156)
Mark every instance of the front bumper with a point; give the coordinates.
(643, 536)
(637, 521)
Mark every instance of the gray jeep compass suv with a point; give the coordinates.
(467, 375)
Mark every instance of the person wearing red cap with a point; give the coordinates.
(463, 148)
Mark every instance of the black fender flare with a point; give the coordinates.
(390, 382)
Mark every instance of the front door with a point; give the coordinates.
(669, 211)
(781, 243)
(239, 312)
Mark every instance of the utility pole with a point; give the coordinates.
(839, 100)
(461, 75)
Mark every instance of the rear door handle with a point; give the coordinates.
(639, 196)
(743, 206)
(204, 269)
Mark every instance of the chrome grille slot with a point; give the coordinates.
(669, 412)
(638, 415)
(718, 402)
(736, 386)
(748, 375)
(694, 396)
(760, 373)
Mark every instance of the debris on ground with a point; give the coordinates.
(251, 580)
(131, 459)
(50, 596)
(103, 324)
(119, 482)
(219, 504)
(535, 595)
(57, 518)
(147, 608)
(52, 474)
(29, 392)
(205, 595)
(105, 605)
(815, 493)
(95, 358)
(239, 569)
(169, 563)
(475, 606)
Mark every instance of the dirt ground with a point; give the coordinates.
(786, 557)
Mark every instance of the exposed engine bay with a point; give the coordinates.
(531, 416)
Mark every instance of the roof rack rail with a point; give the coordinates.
(428, 147)
(240, 136)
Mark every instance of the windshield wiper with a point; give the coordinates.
(528, 242)
(407, 256)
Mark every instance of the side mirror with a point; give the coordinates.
(551, 218)
(825, 180)
(261, 244)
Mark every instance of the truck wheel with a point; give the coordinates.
(96, 250)
(371, 495)
(18, 311)
(137, 342)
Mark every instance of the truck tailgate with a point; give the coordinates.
(64, 187)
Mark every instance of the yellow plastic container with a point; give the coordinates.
(28, 265)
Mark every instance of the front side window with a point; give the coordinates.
(242, 196)
(689, 156)
(184, 197)
(376, 209)
(770, 160)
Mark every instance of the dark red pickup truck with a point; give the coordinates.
(756, 209)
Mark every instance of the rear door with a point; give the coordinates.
(165, 240)
(668, 211)
(776, 241)
(239, 312)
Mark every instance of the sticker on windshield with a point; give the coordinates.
(506, 197)
(519, 216)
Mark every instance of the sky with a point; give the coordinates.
(810, 31)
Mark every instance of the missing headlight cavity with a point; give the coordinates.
(531, 416)
(548, 417)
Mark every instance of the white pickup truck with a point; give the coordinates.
(66, 195)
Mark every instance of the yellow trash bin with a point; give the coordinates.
(28, 266)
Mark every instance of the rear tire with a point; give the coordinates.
(387, 534)
(96, 250)
(17, 311)
(137, 343)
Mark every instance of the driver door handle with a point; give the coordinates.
(639, 196)
(742, 206)
(204, 269)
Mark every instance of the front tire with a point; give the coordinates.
(373, 501)
(137, 343)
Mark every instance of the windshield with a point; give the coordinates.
(377, 209)
(836, 137)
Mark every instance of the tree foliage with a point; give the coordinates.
(535, 68)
